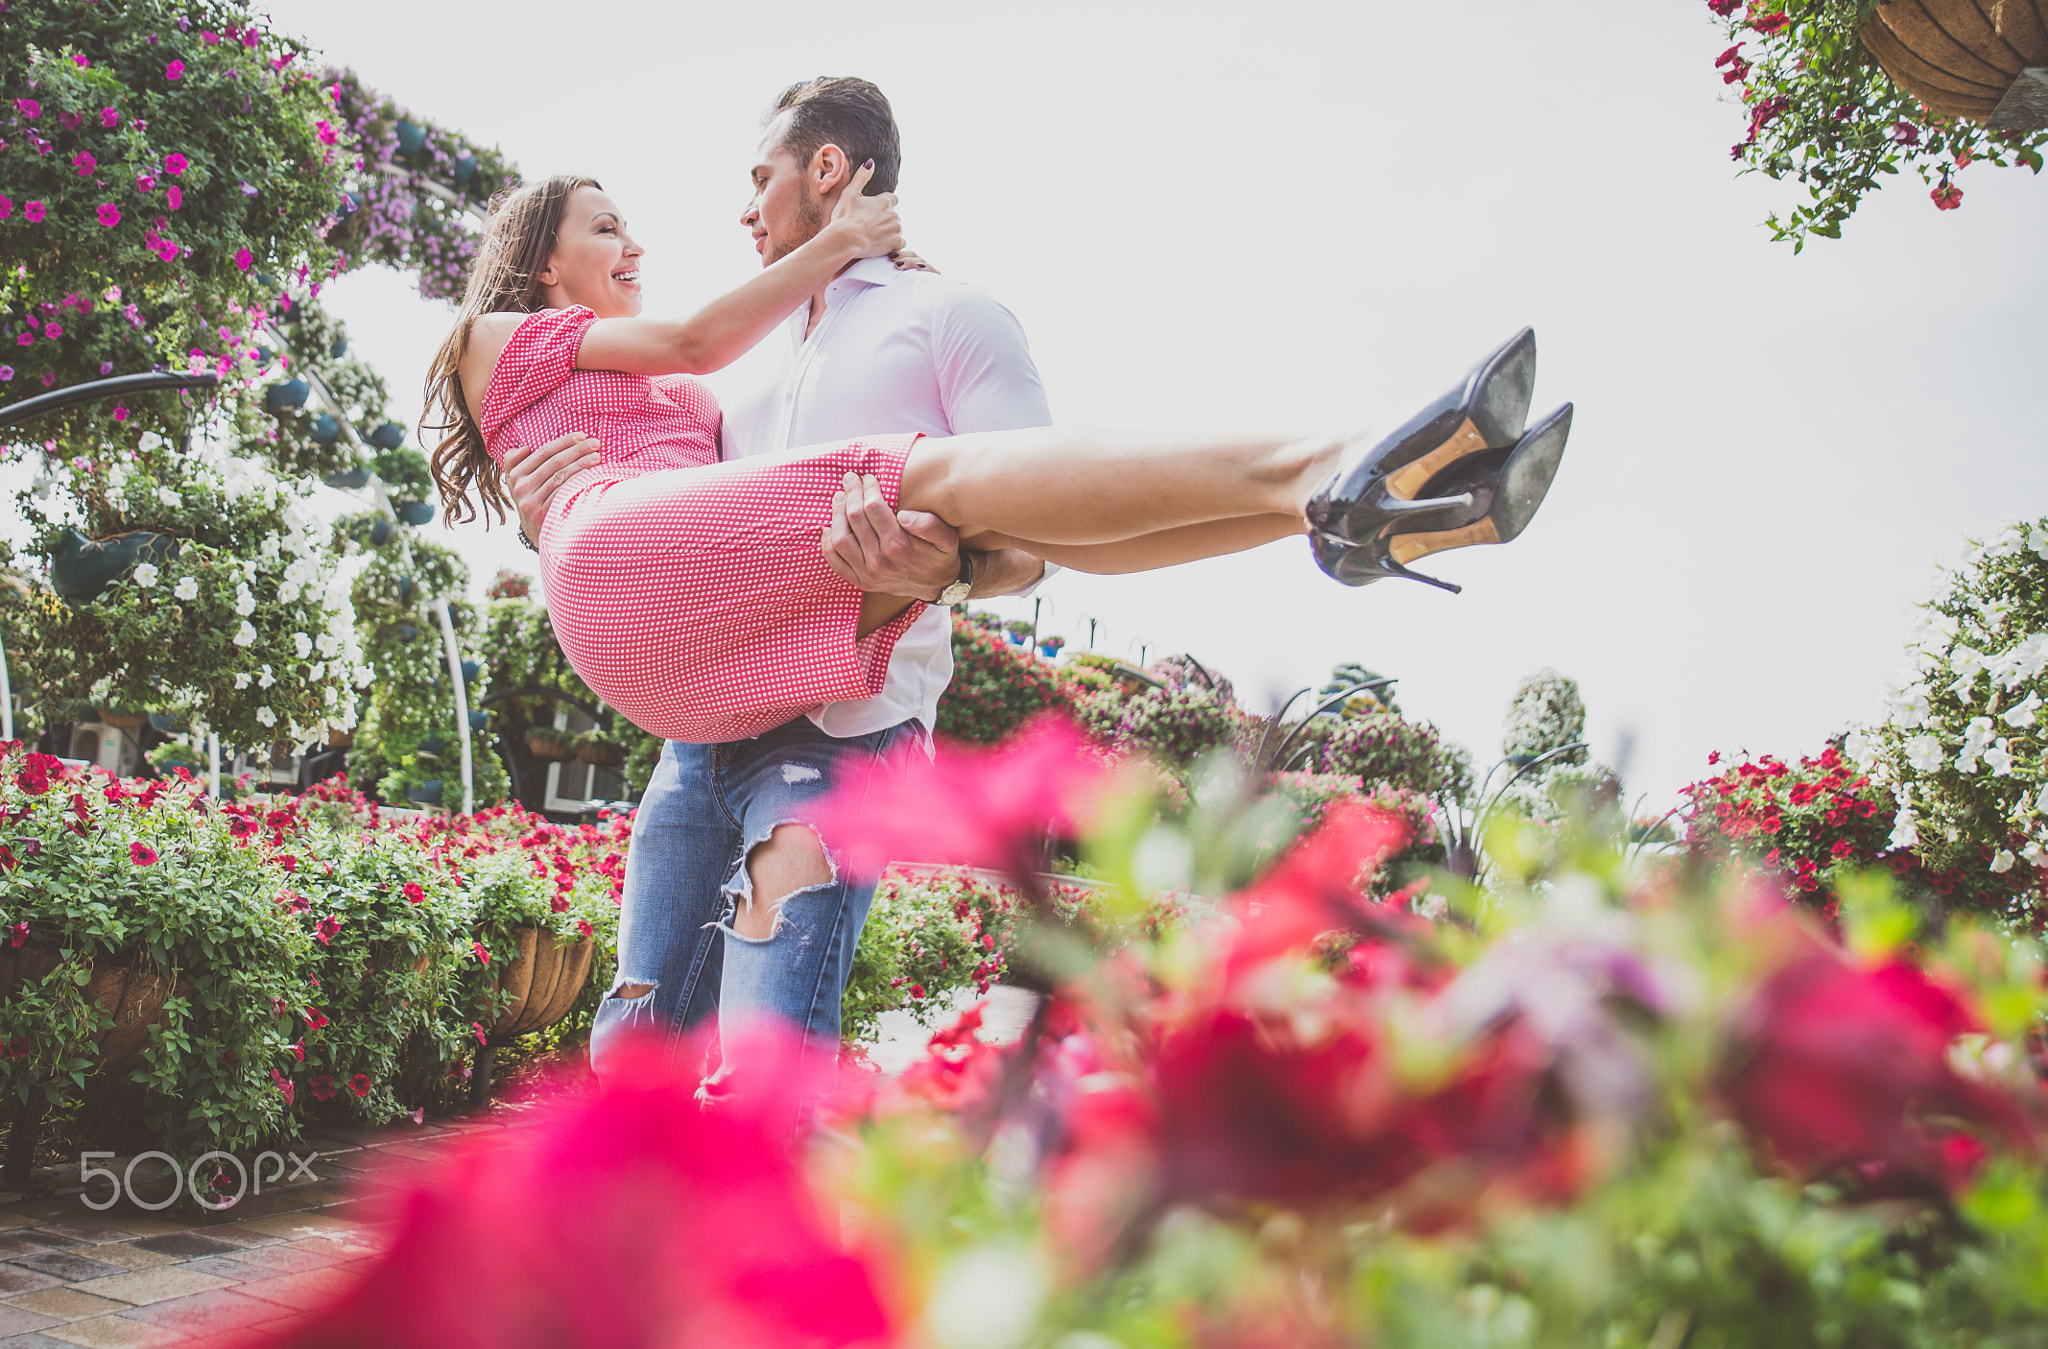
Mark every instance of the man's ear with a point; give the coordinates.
(830, 169)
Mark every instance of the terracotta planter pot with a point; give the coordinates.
(544, 979)
(550, 746)
(602, 756)
(134, 999)
(340, 739)
(1958, 56)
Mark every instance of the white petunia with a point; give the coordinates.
(1908, 708)
(2037, 539)
(1924, 753)
(268, 679)
(245, 602)
(1860, 747)
(245, 634)
(2034, 854)
(166, 497)
(146, 574)
(242, 679)
(1905, 830)
(2023, 714)
(186, 589)
(302, 645)
(1999, 759)
(2002, 861)
(266, 716)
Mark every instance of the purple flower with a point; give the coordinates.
(106, 367)
(29, 108)
(6, 373)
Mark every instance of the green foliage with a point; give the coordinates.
(926, 936)
(1384, 749)
(1822, 113)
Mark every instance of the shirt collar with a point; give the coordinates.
(872, 271)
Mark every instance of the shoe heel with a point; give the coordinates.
(1393, 568)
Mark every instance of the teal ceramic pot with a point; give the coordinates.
(81, 568)
(389, 436)
(414, 512)
(285, 396)
(426, 793)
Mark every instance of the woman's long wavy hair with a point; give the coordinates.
(518, 240)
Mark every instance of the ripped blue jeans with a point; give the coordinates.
(706, 808)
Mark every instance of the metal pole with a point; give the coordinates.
(212, 765)
(6, 699)
(461, 700)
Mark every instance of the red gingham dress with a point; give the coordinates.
(687, 592)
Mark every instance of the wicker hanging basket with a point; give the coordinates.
(1959, 57)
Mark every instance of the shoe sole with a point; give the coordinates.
(1495, 407)
(1524, 481)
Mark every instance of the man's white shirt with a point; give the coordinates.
(895, 351)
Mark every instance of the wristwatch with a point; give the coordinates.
(958, 592)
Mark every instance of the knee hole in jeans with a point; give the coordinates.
(792, 858)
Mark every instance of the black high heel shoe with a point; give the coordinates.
(1488, 497)
(1485, 411)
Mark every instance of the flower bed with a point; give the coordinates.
(321, 951)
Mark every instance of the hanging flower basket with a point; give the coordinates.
(551, 744)
(544, 979)
(600, 752)
(340, 739)
(132, 998)
(414, 512)
(1959, 57)
(80, 568)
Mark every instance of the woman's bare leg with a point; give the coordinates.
(1161, 548)
(1062, 486)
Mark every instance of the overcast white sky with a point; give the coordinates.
(1318, 214)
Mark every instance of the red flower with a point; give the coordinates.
(323, 1087)
(7, 859)
(974, 807)
(1724, 7)
(326, 929)
(316, 1019)
(1768, 24)
(741, 1256)
(360, 1084)
(478, 1027)
(482, 955)
(583, 928)
(17, 933)
(1839, 1063)
(1905, 133)
(414, 893)
(34, 777)
(284, 1084)
(141, 854)
(1947, 197)
(288, 862)
(299, 1048)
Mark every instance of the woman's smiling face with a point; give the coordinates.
(595, 262)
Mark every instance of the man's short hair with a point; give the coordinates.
(843, 111)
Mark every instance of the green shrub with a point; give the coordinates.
(996, 687)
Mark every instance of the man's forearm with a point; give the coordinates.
(1005, 572)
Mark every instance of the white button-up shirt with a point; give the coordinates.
(895, 351)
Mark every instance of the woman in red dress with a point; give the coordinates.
(691, 593)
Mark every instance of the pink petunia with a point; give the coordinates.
(110, 214)
(209, 37)
(314, 1017)
(85, 163)
(175, 70)
(326, 929)
(6, 206)
(141, 854)
(481, 954)
(120, 414)
(29, 108)
(478, 1027)
(80, 62)
(34, 212)
(17, 933)
(109, 118)
(53, 331)
(174, 163)
(244, 259)
(175, 197)
(145, 182)
(328, 135)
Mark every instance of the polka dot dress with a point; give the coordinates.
(688, 593)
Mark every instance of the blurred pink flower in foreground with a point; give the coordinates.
(626, 1218)
(973, 807)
